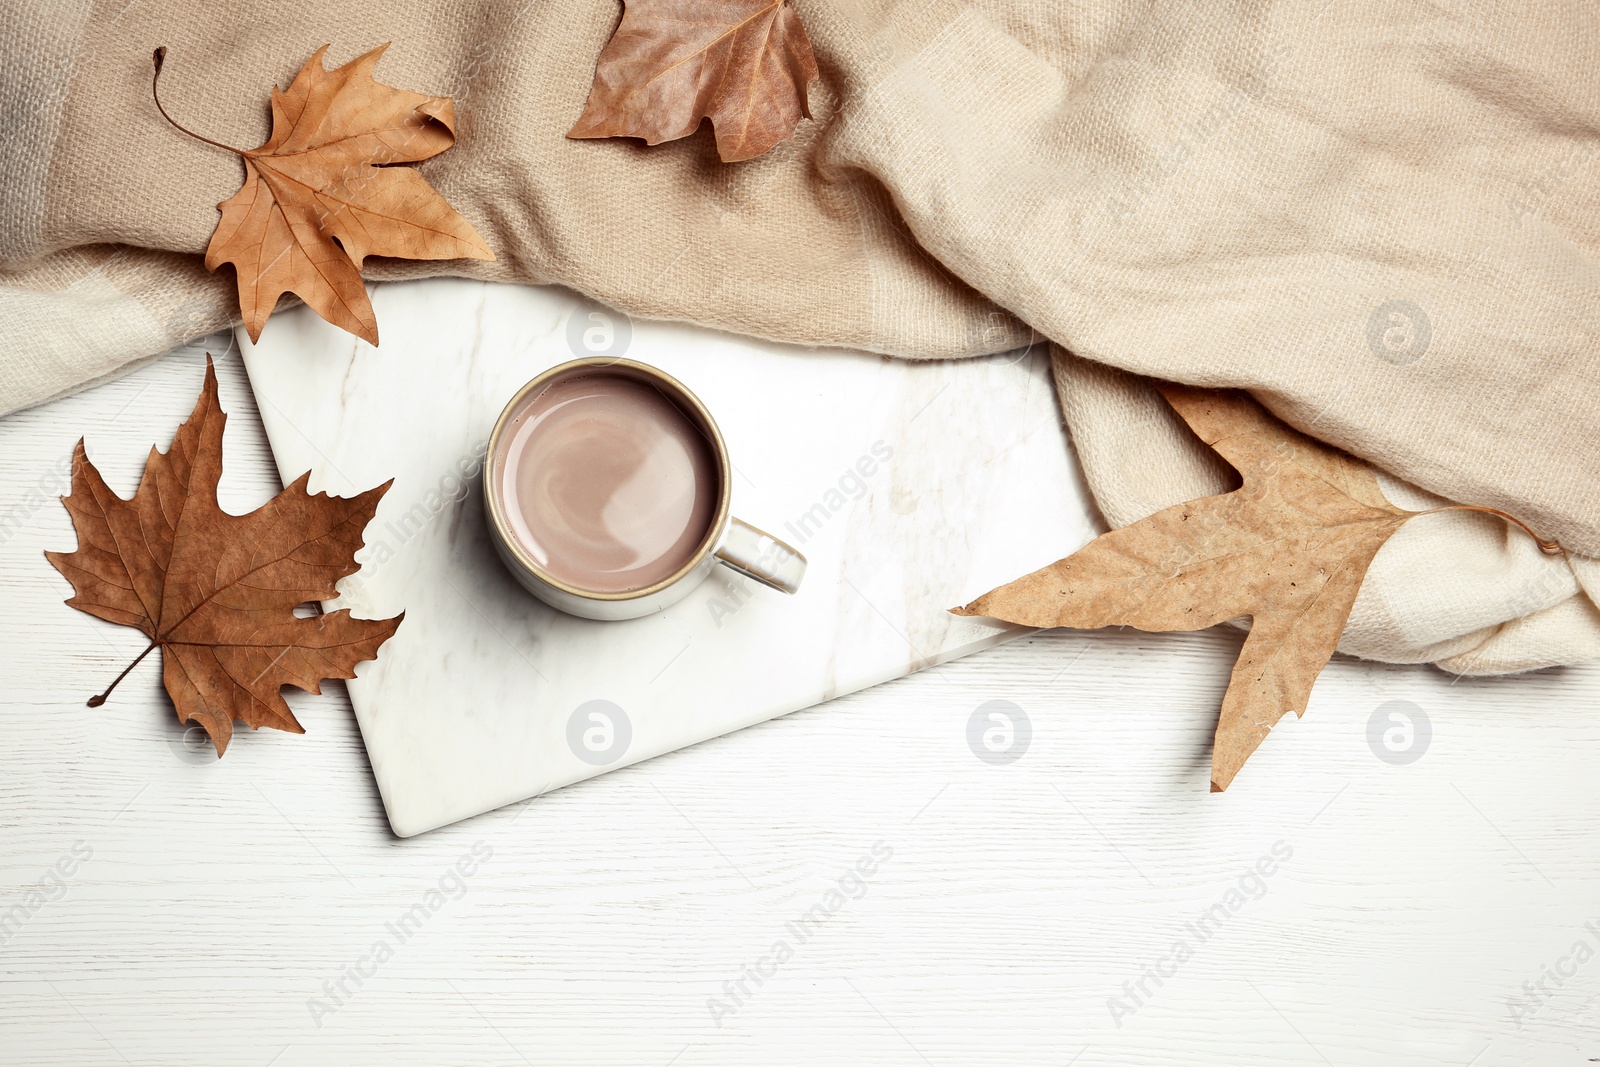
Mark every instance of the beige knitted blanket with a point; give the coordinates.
(1381, 218)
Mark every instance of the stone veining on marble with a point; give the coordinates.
(914, 486)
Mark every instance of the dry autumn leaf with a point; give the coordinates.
(1288, 549)
(320, 196)
(216, 592)
(744, 64)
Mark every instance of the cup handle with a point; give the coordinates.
(757, 554)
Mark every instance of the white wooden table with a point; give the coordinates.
(1029, 912)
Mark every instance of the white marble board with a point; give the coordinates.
(486, 697)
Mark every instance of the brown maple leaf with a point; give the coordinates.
(216, 592)
(320, 195)
(1288, 549)
(744, 64)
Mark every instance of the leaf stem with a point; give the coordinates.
(1549, 548)
(96, 701)
(159, 57)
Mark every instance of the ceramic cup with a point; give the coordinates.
(727, 540)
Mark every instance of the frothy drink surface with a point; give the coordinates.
(606, 482)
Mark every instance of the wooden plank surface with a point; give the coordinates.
(847, 885)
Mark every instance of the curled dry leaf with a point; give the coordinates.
(216, 592)
(321, 194)
(744, 64)
(1288, 548)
